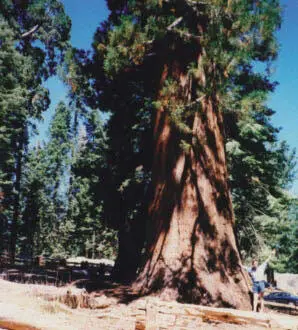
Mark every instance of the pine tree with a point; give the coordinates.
(35, 203)
(24, 65)
(129, 171)
(284, 235)
(198, 50)
(260, 168)
(44, 227)
(58, 150)
(17, 107)
(88, 172)
(91, 235)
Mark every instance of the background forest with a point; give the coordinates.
(78, 192)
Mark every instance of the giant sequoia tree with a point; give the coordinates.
(190, 54)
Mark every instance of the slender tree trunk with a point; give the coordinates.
(131, 236)
(30, 221)
(55, 198)
(73, 152)
(131, 242)
(191, 248)
(2, 226)
(2, 222)
(16, 206)
(93, 245)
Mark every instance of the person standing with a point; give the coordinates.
(256, 273)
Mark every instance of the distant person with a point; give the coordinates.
(256, 273)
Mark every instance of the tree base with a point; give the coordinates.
(187, 287)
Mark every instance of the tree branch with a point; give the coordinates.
(176, 22)
(182, 33)
(198, 100)
(187, 34)
(28, 33)
(195, 3)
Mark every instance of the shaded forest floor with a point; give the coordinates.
(35, 306)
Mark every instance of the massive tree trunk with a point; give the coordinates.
(191, 248)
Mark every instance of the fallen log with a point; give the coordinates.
(173, 315)
(13, 325)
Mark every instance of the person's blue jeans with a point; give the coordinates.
(258, 287)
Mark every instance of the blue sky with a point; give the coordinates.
(285, 99)
(86, 16)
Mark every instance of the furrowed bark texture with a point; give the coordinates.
(191, 249)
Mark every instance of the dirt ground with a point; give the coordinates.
(21, 309)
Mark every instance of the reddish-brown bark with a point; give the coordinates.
(191, 248)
